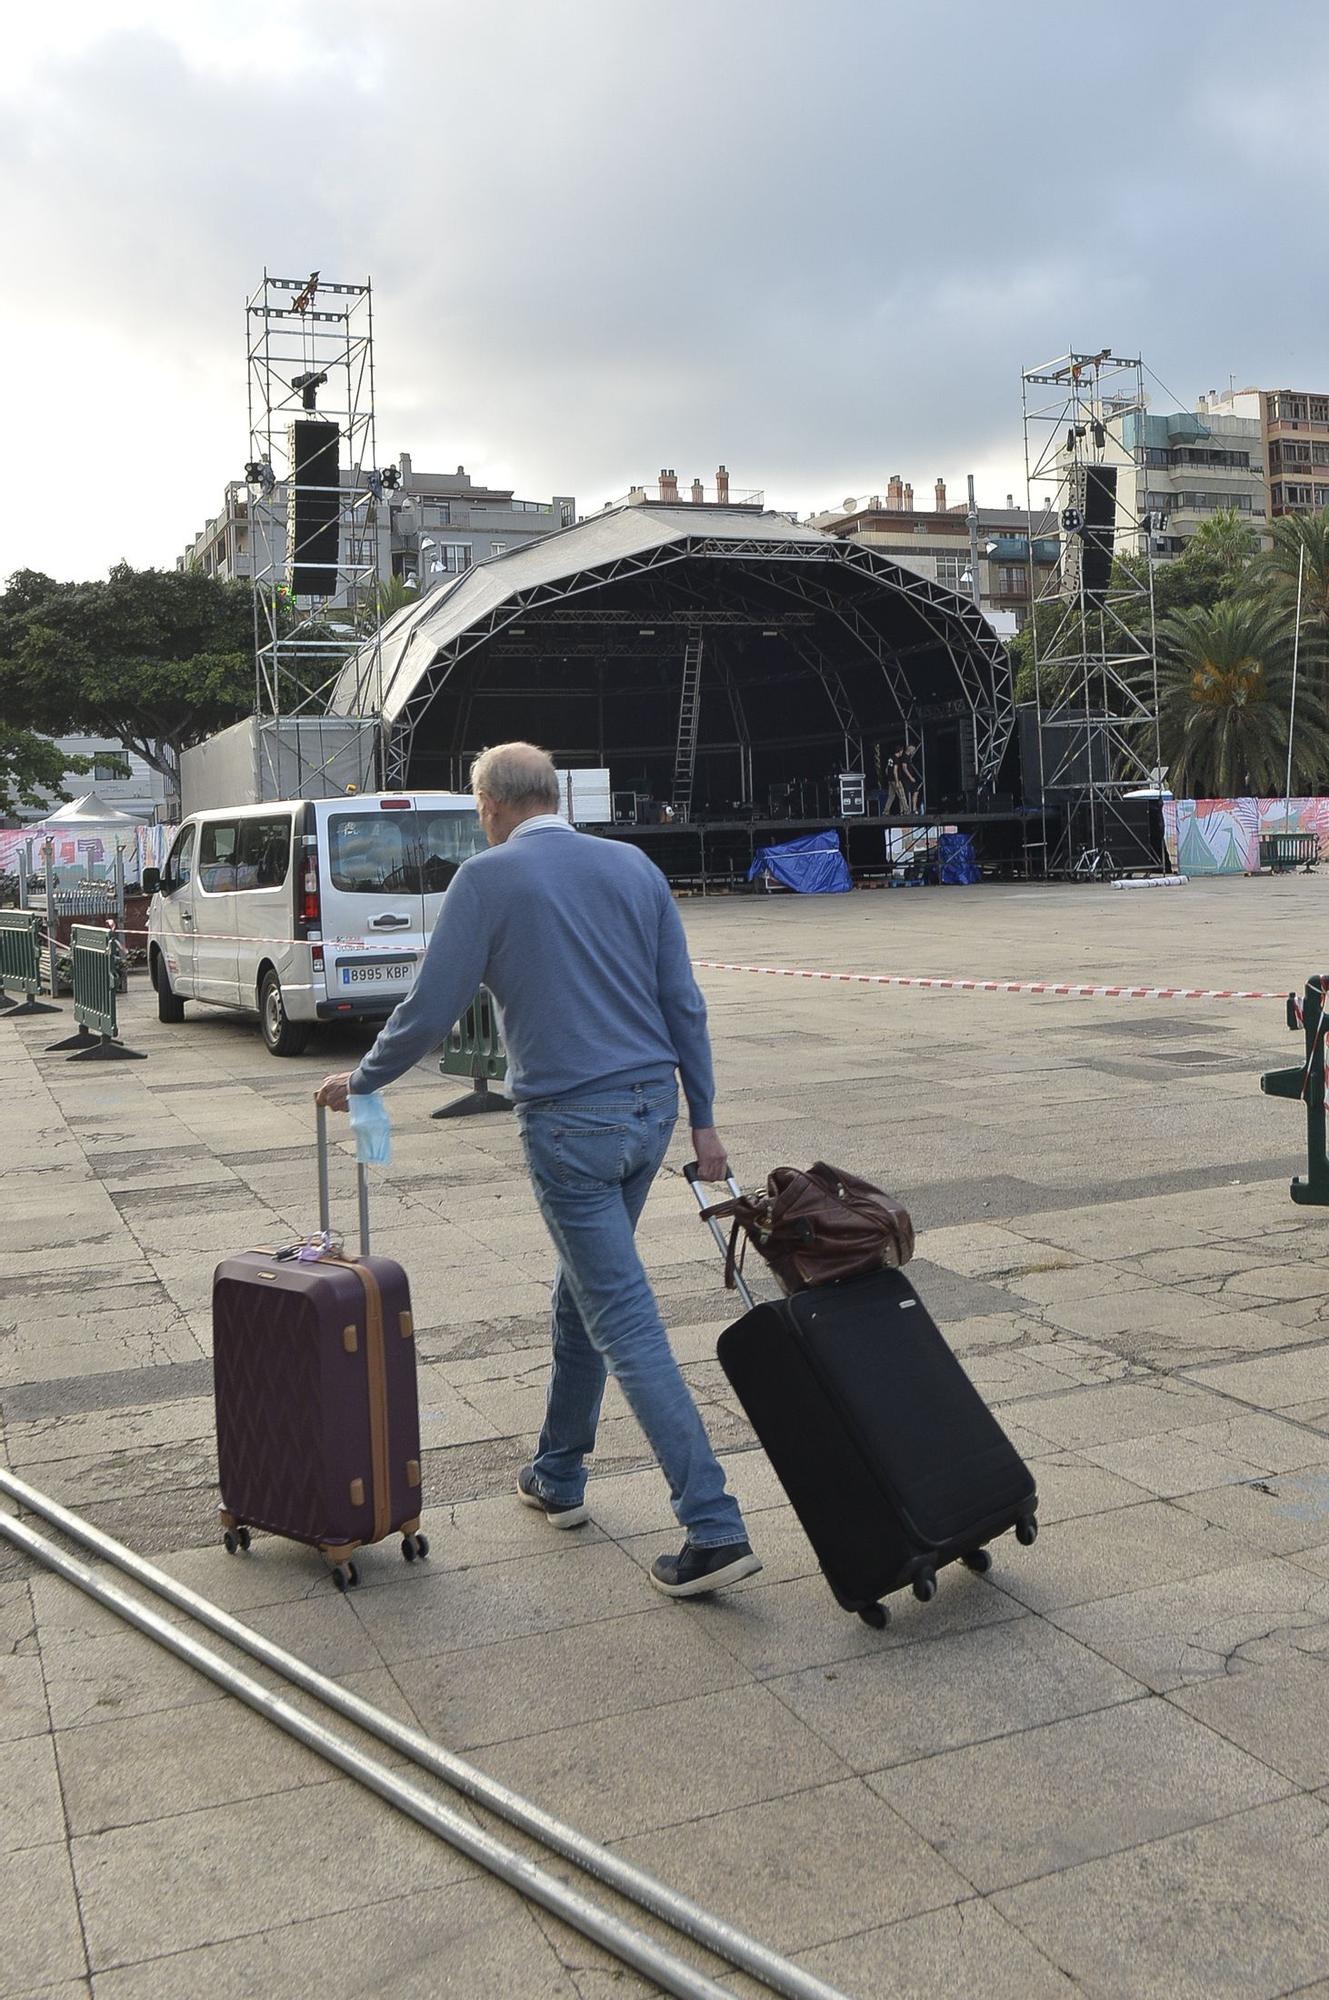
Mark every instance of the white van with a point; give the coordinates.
(311, 910)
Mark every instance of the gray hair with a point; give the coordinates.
(517, 774)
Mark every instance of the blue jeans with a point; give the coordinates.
(592, 1157)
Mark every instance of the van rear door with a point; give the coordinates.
(384, 864)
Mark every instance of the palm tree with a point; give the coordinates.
(1225, 543)
(1225, 687)
(1273, 576)
(381, 601)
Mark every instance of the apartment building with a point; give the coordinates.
(934, 542)
(1294, 432)
(426, 527)
(1187, 466)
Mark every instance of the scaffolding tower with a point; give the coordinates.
(1092, 620)
(310, 349)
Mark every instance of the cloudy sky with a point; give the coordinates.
(817, 239)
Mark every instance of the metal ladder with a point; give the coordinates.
(689, 711)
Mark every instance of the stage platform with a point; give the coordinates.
(717, 853)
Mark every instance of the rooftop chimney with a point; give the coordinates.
(698, 493)
(404, 465)
(1010, 500)
(908, 499)
(941, 496)
(668, 483)
(722, 485)
(894, 493)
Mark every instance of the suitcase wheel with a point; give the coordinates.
(345, 1576)
(875, 1615)
(1026, 1530)
(413, 1546)
(978, 1560)
(235, 1539)
(925, 1586)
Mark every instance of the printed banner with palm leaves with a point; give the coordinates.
(1222, 836)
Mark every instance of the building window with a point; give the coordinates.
(435, 513)
(361, 552)
(452, 557)
(110, 767)
(498, 548)
(1012, 580)
(948, 571)
(1320, 409)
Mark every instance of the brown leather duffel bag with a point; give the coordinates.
(815, 1227)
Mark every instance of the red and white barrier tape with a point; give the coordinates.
(1063, 988)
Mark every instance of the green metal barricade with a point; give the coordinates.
(1281, 851)
(1305, 1083)
(475, 1049)
(21, 962)
(97, 955)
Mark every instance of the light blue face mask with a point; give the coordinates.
(370, 1124)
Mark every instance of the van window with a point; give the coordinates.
(216, 856)
(446, 840)
(401, 853)
(265, 853)
(179, 869)
(371, 853)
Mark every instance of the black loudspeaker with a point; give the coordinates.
(1076, 752)
(1100, 520)
(1129, 830)
(313, 533)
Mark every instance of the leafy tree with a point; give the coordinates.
(157, 659)
(1225, 686)
(381, 601)
(32, 770)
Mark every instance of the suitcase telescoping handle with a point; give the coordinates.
(361, 1179)
(698, 1187)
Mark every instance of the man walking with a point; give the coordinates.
(580, 943)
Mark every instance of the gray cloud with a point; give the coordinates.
(816, 242)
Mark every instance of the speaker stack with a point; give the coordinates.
(313, 530)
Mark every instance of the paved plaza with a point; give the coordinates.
(1101, 1770)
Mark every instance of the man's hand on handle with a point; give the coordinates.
(709, 1153)
(334, 1093)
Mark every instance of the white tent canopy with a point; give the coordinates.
(90, 810)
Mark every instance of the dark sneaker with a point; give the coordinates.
(559, 1514)
(695, 1572)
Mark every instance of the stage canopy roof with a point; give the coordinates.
(802, 649)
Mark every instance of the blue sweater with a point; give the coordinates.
(580, 943)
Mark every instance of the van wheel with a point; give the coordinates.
(284, 1037)
(170, 1007)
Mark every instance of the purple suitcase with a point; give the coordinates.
(318, 1420)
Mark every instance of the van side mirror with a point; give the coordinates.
(152, 881)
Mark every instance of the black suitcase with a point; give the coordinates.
(891, 1459)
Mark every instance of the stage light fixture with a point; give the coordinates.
(309, 385)
(259, 473)
(391, 478)
(646, 632)
(1100, 434)
(770, 635)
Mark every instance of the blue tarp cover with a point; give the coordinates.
(955, 851)
(814, 865)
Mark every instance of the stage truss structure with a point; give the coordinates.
(310, 352)
(799, 570)
(1093, 649)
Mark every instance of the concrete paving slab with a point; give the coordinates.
(1099, 1555)
(270, 1861)
(814, 1864)
(1066, 1792)
(556, 1680)
(711, 1753)
(1274, 1381)
(1205, 1625)
(430, 1614)
(1273, 1710)
(1070, 1484)
(951, 1954)
(910, 1701)
(1286, 1514)
(1165, 1913)
(465, 1941)
(33, 1814)
(41, 1941)
(1116, 1410)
